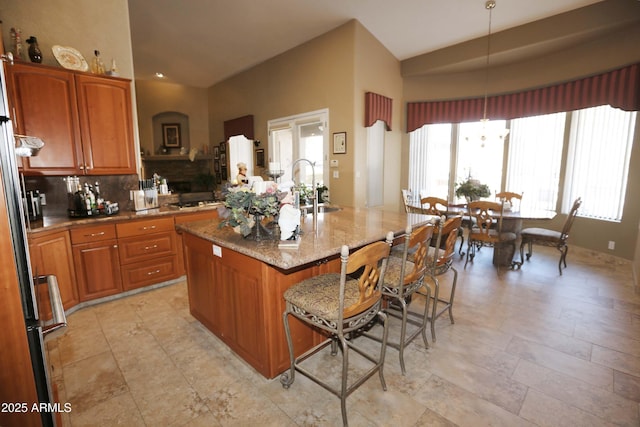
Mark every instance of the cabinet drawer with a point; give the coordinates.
(197, 216)
(156, 271)
(95, 233)
(141, 228)
(134, 249)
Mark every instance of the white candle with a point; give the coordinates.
(274, 166)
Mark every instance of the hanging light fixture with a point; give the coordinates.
(487, 133)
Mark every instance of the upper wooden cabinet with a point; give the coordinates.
(84, 120)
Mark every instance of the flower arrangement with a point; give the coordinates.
(244, 205)
(471, 189)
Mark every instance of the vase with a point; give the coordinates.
(259, 231)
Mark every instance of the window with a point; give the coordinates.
(300, 136)
(597, 142)
(598, 161)
(534, 159)
(430, 154)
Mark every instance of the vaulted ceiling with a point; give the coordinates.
(201, 42)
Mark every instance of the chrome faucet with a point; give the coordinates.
(314, 195)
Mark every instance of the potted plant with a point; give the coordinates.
(471, 189)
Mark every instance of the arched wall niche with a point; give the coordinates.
(169, 118)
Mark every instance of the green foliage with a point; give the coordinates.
(243, 205)
(472, 189)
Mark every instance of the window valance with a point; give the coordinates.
(377, 107)
(619, 88)
(239, 126)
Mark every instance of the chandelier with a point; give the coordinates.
(489, 132)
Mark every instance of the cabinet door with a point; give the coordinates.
(97, 269)
(51, 254)
(104, 106)
(44, 105)
(182, 218)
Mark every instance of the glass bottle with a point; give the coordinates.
(97, 66)
(34, 50)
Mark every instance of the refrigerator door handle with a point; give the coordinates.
(59, 319)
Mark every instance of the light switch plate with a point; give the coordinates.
(334, 163)
(217, 251)
(336, 174)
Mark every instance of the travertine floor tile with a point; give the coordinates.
(529, 347)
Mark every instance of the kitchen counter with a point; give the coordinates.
(236, 285)
(346, 226)
(48, 223)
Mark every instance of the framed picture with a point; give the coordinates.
(260, 158)
(223, 147)
(339, 143)
(171, 135)
(216, 152)
(223, 159)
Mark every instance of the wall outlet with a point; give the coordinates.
(43, 200)
(336, 174)
(612, 245)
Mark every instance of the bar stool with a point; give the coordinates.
(339, 304)
(404, 276)
(439, 264)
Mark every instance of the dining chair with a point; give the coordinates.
(404, 276)
(407, 201)
(548, 237)
(438, 206)
(482, 216)
(340, 304)
(439, 263)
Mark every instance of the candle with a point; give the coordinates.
(274, 166)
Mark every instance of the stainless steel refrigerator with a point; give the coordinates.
(14, 409)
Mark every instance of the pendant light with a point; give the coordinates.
(486, 133)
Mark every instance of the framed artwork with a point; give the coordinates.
(339, 143)
(171, 135)
(216, 152)
(223, 147)
(260, 158)
(223, 159)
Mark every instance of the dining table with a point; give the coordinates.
(512, 220)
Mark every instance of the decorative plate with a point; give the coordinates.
(70, 58)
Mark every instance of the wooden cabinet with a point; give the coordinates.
(190, 217)
(240, 299)
(84, 120)
(51, 254)
(96, 260)
(148, 252)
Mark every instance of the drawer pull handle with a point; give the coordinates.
(148, 228)
(153, 272)
(95, 234)
(146, 248)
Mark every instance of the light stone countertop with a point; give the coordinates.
(354, 227)
(49, 223)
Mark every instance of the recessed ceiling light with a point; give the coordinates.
(160, 75)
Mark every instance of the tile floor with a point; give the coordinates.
(529, 348)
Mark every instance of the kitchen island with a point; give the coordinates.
(236, 284)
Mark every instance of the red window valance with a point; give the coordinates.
(239, 126)
(619, 88)
(377, 107)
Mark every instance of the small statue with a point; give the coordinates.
(34, 50)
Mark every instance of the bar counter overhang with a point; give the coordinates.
(236, 284)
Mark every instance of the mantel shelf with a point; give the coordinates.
(174, 157)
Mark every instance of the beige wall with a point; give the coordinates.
(318, 74)
(157, 97)
(85, 25)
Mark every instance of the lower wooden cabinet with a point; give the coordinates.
(51, 254)
(148, 252)
(96, 260)
(190, 217)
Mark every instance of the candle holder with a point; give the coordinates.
(275, 174)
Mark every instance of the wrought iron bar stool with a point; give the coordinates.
(403, 278)
(340, 305)
(439, 264)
